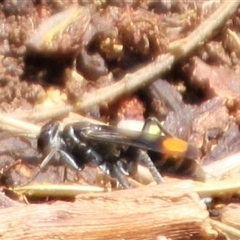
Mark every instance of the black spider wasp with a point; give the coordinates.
(115, 151)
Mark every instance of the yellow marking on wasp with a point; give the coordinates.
(175, 145)
(154, 129)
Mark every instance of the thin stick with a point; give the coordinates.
(40, 114)
(15, 123)
(24, 128)
(206, 29)
(129, 84)
(141, 213)
(215, 188)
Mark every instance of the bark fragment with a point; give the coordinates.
(143, 213)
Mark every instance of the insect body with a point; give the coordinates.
(50, 143)
(114, 150)
(173, 155)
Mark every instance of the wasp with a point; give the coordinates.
(116, 151)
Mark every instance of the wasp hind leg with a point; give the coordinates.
(117, 170)
(154, 121)
(142, 157)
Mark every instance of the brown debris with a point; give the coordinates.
(216, 81)
(217, 53)
(206, 120)
(23, 171)
(12, 147)
(92, 66)
(163, 98)
(228, 144)
(6, 202)
(194, 122)
(129, 108)
(230, 215)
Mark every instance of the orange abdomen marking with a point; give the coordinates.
(174, 145)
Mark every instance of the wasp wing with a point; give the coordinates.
(143, 140)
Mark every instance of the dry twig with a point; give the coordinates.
(142, 213)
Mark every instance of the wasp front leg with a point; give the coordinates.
(59, 157)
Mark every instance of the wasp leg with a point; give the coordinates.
(143, 158)
(65, 158)
(116, 170)
(44, 163)
(90, 156)
(68, 160)
(65, 174)
(150, 121)
(119, 172)
(105, 168)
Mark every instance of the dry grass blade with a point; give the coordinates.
(39, 114)
(23, 128)
(217, 188)
(231, 232)
(18, 124)
(56, 190)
